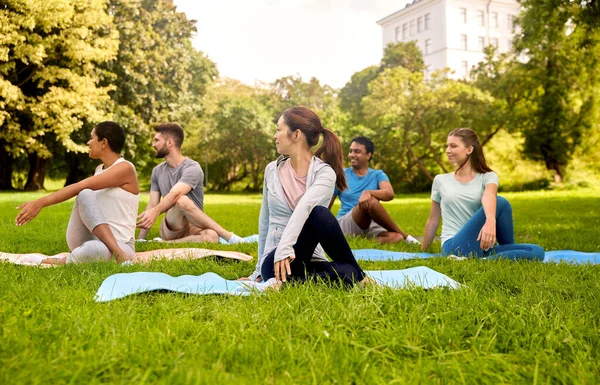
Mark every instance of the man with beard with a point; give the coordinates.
(179, 182)
(361, 212)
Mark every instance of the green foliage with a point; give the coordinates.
(411, 119)
(548, 87)
(49, 84)
(66, 65)
(233, 140)
(524, 322)
(405, 55)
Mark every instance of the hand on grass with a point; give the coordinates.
(283, 269)
(146, 219)
(29, 210)
(487, 235)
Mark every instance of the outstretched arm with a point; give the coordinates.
(117, 176)
(432, 225)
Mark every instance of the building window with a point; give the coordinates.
(511, 22)
(397, 34)
(481, 43)
(509, 45)
(427, 46)
(404, 31)
(465, 69)
(494, 42)
(494, 20)
(419, 25)
(480, 20)
(412, 28)
(463, 15)
(427, 19)
(463, 42)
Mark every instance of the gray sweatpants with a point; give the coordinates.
(85, 247)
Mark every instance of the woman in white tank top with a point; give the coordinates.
(103, 220)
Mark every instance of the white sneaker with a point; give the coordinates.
(456, 258)
(411, 239)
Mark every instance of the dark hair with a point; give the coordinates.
(173, 130)
(113, 133)
(470, 139)
(305, 120)
(368, 143)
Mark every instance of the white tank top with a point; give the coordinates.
(120, 207)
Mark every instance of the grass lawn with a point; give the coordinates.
(523, 322)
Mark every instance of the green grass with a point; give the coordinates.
(523, 322)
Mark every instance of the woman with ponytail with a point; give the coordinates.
(295, 225)
(476, 221)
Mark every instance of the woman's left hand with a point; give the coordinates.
(29, 210)
(283, 269)
(487, 235)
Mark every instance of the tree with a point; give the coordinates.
(411, 119)
(234, 137)
(562, 50)
(401, 54)
(49, 86)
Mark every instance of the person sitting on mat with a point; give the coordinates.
(294, 218)
(179, 181)
(102, 222)
(361, 212)
(476, 222)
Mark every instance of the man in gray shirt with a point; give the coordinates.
(179, 182)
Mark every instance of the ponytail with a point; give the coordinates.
(331, 153)
(305, 120)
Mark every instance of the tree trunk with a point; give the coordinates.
(77, 169)
(6, 169)
(37, 172)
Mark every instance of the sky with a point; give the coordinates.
(263, 40)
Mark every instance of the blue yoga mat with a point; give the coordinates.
(121, 285)
(569, 256)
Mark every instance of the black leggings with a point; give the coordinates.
(320, 227)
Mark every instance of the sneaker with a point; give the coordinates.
(412, 240)
(457, 258)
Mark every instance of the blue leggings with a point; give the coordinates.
(320, 227)
(465, 241)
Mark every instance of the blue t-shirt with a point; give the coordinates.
(356, 186)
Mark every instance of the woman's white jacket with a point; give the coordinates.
(279, 226)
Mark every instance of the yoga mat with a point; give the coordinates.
(121, 285)
(568, 256)
(141, 257)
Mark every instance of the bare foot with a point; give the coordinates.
(55, 261)
(367, 282)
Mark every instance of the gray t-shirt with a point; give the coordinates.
(189, 172)
(459, 201)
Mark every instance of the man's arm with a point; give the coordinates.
(154, 200)
(385, 192)
(148, 217)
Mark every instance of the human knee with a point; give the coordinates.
(84, 195)
(185, 204)
(320, 214)
(211, 236)
(502, 203)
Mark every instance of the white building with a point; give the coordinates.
(452, 33)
